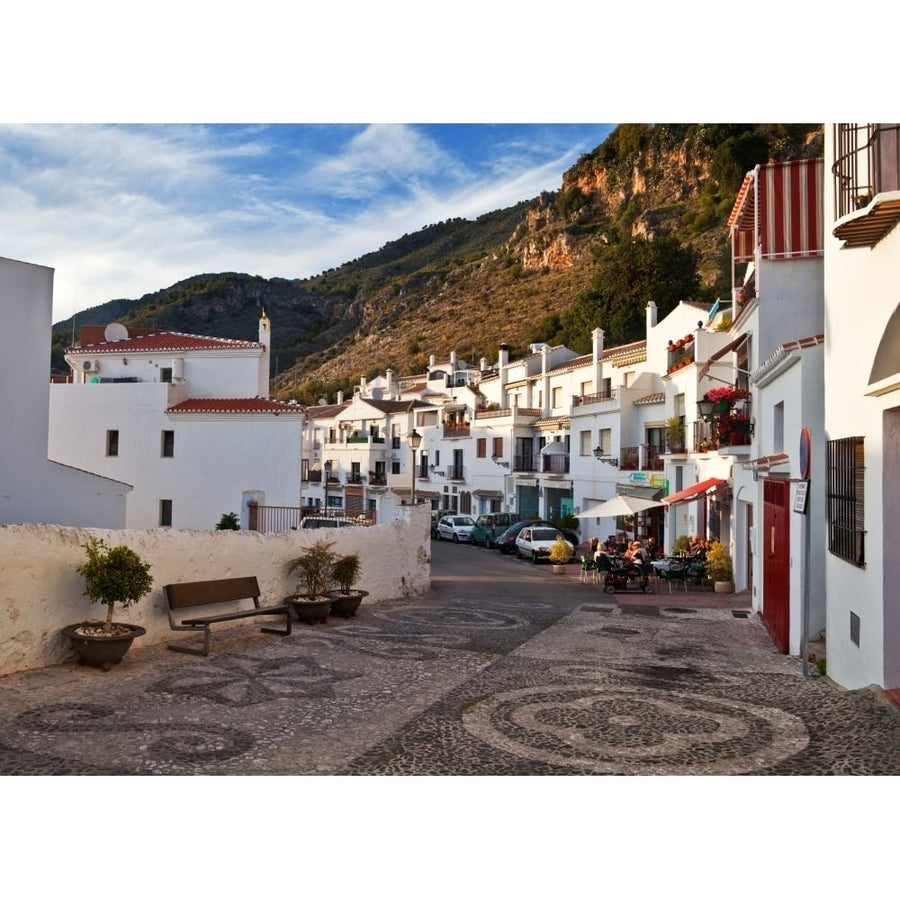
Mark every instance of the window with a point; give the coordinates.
(395, 467)
(304, 470)
(845, 497)
(481, 448)
(557, 397)
(112, 443)
(498, 447)
(165, 513)
(605, 441)
(585, 447)
(165, 374)
(168, 443)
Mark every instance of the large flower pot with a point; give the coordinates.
(309, 610)
(346, 603)
(723, 587)
(94, 647)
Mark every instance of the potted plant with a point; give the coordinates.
(111, 575)
(719, 568)
(313, 569)
(345, 600)
(229, 522)
(675, 434)
(560, 554)
(682, 545)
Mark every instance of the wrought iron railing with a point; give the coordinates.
(867, 163)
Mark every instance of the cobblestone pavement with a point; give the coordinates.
(524, 674)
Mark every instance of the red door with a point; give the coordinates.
(775, 552)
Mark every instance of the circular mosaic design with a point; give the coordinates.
(618, 731)
(454, 617)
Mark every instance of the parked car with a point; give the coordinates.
(535, 541)
(506, 542)
(437, 515)
(326, 522)
(455, 528)
(489, 525)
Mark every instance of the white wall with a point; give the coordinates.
(216, 457)
(40, 591)
(32, 489)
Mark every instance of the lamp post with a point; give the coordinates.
(706, 409)
(327, 468)
(414, 439)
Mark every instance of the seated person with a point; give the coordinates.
(654, 551)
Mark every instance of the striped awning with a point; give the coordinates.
(779, 209)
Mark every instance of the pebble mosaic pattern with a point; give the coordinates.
(477, 684)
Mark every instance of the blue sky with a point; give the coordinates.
(123, 210)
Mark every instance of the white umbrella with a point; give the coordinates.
(620, 505)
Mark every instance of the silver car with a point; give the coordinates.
(455, 528)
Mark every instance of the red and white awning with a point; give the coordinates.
(694, 492)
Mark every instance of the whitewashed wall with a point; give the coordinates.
(40, 591)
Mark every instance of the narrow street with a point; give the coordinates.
(506, 669)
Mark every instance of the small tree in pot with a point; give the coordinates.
(313, 569)
(111, 575)
(560, 554)
(345, 573)
(719, 568)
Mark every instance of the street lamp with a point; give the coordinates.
(706, 409)
(327, 468)
(414, 439)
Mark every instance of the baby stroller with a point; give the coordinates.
(621, 575)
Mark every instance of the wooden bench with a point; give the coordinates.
(213, 593)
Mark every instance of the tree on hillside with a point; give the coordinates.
(629, 275)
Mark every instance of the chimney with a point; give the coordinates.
(651, 319)
(597, 336)
(453, 358)
(389, 384)
(265, 358)
(340, 397)
(545, 379)
(502, 363)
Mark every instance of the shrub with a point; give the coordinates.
(229, 522)
(114, 575)
(718, 563)
(559, 552)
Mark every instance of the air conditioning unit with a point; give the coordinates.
(91, 365)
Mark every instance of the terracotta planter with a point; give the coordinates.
(309, 610)
(346, 603)
(723, 587)
(558, 569)
(101, 650)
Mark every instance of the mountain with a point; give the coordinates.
(513, 275)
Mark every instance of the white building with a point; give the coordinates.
(185, 419)
(34, 489)
(776, 350)
(862, 404)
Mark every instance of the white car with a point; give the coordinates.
(535, 542)
(326, 522)
(455, 528)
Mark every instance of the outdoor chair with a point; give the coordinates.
(674, 573)
(588, 570)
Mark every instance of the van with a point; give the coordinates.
(489, 525)
(326, 522)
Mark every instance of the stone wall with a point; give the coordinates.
(40, 591)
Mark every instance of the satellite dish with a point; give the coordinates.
(115, 331)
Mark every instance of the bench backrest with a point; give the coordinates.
(202, 593)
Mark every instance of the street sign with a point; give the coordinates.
(800, 497)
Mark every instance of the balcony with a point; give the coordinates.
(365, 439)
(557, 464)
(455, 473)
(527, 462)
(643, 458)
(457, 430)
(602, 397)
(680, 354)
(867, 182)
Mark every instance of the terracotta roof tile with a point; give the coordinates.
(163, 341)
(239, 405)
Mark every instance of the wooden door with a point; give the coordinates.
(775, 552)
